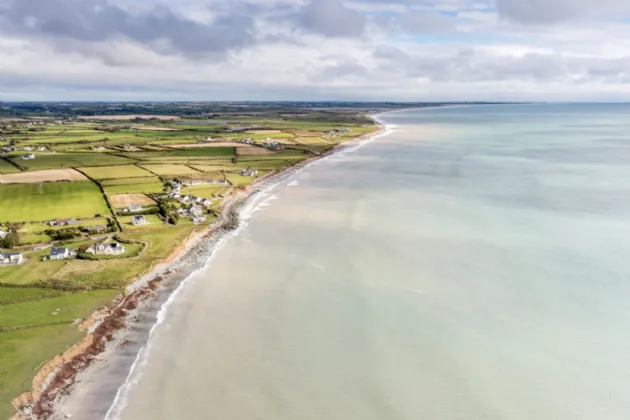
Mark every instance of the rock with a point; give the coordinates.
(57, 310)
(68, 416)
(55, 313)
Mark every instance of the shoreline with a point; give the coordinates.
(90, 378)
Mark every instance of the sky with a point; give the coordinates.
(365, 50)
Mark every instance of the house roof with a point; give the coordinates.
(58, 251)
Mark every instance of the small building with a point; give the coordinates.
(199, 219)
(249, 172)
(28, 148)
(12, 258)
(53, 223)
(3, 234)
(195, 210)
(71, 222)
(28, 156)
(205, 202)
(139, 220)
(59, 253)
(182, 212)
(134, 208)
(113, 248)
(42, 148)
(8, 148)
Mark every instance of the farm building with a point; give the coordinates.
(59, 253)
(134, 208)
(28, 156)
(138, 220)
(11, 259)
(113, 248)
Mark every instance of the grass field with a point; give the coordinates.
(129, 181)
(170, 169)
(70, 160)
(7, 168)
(152, 188)
(236, 179)
(53, 200)
(115, 172)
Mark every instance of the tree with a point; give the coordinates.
(11, 240)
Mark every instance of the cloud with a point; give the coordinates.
(158, 28)
(330, 18)
(550, 11)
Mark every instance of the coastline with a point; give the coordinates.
(89, 379)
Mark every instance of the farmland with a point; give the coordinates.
(83, 166)
(43, 201)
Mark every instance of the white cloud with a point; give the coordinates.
(313, 49)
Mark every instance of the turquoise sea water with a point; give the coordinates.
(472, 264)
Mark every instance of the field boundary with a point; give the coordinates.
(109, 205)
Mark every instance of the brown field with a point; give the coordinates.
(43, 176)
(157, 129)
(252, 150)
(200, 145)
(265, 132)
(130, 117)
(120, 201)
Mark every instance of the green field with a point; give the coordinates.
(170, 169)
(236, 179)
(70, 160)
(128, 181)
(7, 168)
(115, 172)
(51, 200)
(152, 188)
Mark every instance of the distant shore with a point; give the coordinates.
(89, 378)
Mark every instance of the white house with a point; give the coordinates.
(28, 156)
(199, 219)
(205, 202)
(113, 248)
(41, 148)
(3, 234)
(249, 172)
(11, 259)
(134, 208)
(59, 253)
(195, 210)
(28, 148)
(138, 220)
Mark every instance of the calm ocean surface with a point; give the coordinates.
(473, 264)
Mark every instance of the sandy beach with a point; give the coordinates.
(86, 386)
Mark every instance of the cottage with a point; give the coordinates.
(205, 202)
(41, 148)
(53, 223)
(249, 172)
(113, 248)
(28, 156)
(134, 208)
(185, 199)
(28, 148)
(199, 219)
(182, 212)
(59, 253)
(138, 220)
(195, 210)
(11, 259)
(8, 148)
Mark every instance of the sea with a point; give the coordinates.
(470, 263)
